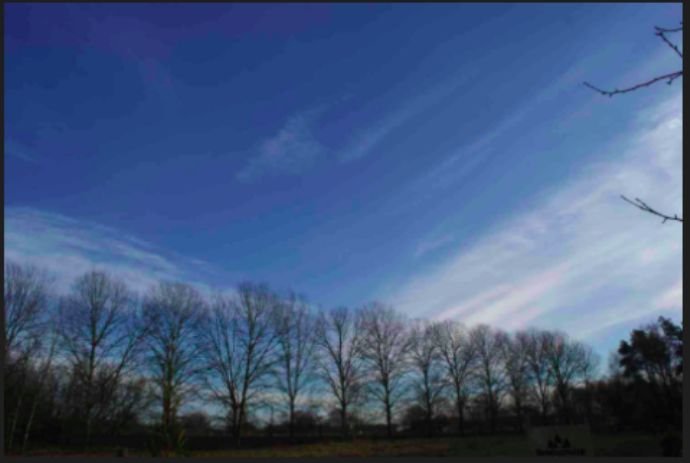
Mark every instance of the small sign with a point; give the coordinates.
(561, 440)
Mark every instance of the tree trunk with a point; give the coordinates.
(389, 421)
(461, 420)
(486, 418)
(492, 415)
(429, 428)
(588, 403)
(88, 428)
(14, 420)
(27, 428)
(237, 427)
(343, 419)
(565, 405)
(236, 434)
(167, 406)
(90, 392)
(292, 418)
(22, 380)
(459, 404)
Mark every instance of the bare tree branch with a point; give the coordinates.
(638, 203)
(676, 29)
(668, 77)
(661, 33)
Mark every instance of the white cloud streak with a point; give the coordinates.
(432, 244)
(365, 142)
(67, 248)
(292, 150)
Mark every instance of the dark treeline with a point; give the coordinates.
(103, 361)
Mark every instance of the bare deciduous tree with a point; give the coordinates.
(296, 341)
(25, 300)
(429, 381)
(100, 333)
(539, 373)
(517, 372)
(43, 373)
(339, 334)
(172, 313)
(239, 343)
(459, 356)
(384, 349)
(566, 360)
(491, 375)
(590, 364)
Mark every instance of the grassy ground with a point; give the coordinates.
(472, 446)
(620, 445)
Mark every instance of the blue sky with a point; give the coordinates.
(442, 158)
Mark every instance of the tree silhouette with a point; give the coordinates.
(654, 356)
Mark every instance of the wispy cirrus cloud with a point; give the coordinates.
(67, 248)
(290, 151)
(365, 141)
(295, 147)
(668, 302)
(432, 244)
(672, 297)
(580, 258)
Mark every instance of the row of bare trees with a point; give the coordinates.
(104, 355)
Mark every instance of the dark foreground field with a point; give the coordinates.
(603, 445)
